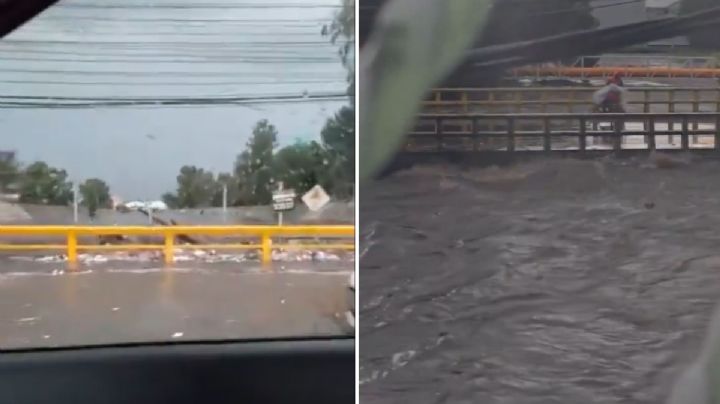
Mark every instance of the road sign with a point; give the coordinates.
(284, 200)
(316, 198)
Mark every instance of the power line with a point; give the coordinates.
(168, 43)
(95, 33)
(140, 52)
(268, 60)
(181, 20)
(55, 102)
(182, 6)
(144, 73)
(177, 83)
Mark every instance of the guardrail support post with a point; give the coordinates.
(547, 143)
(473, 129)
(583, 134)
(72, 248)
(511, 134)
(671, 109)
(439, 133)
(617, 139)
(651, 134)
(717, 134)
(266, 249)
(685, 137)
(169, 248)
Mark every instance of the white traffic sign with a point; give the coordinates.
(316, 198)
(284, 200)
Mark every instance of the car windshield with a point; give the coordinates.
(176, 170)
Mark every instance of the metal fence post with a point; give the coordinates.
(439, 133)
(717, 133)
(511, 134)
(617, 139)
(651, 134)
(685, 137)
(547, 142)
(671, 109)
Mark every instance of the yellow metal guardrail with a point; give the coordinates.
(264, 234)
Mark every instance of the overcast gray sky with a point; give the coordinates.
(164, 48)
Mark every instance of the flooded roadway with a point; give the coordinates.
(547, 282)
(43, 304)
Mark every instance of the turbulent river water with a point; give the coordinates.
(555, 281)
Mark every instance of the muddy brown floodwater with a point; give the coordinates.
(122, 302)
(555, 281)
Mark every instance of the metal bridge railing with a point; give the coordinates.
(72, 235)
(505, 132)
(645, 60)
(568, 99)
(605, 71)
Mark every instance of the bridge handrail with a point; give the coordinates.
(169, 233)
(561, 115)
(689, 126)
(567, 89)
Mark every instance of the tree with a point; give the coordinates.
(342, 30)
(301, 166)
(253, 167)
(95, 194)
(705, 38)
(40, 183)
(195, 188)
(171, 200)
(338, 136)
(9, 171)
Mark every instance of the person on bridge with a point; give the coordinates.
(611, 98)
(615, 79)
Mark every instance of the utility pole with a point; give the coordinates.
(224, 203)
(75, 203)
(280, 214)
